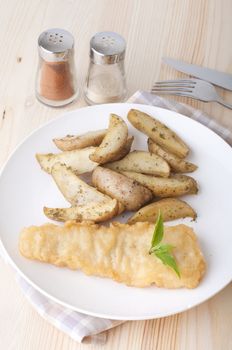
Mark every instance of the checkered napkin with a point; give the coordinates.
(78, 326)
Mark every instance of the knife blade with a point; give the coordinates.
(221, 79)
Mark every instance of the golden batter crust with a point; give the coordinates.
(119, 251)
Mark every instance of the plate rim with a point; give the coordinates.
(65, 304)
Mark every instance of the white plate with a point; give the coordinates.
(25, 189)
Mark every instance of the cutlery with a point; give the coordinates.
(218, 78)
(194, 88)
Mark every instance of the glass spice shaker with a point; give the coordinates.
(106, 81)
(56, 83)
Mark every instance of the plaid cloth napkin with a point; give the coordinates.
(78, 326)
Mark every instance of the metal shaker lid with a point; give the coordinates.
(55, 44)
(107, 48)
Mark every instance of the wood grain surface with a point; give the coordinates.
(198, 31)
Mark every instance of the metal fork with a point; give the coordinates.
(194, 88)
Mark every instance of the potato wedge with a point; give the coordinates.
(131, 194)
(97, 212)
(121, 208)
(71, 142)
(78, 160)
(141, 162)
(177, 165)
(173, 186)
(75, 190)
(158, 132)
(170, 208)
(125, 150)
(113, 142)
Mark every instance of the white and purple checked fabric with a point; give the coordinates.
(78, 326)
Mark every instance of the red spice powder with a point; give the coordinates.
(56, 82)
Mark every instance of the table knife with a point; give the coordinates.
(221, 79)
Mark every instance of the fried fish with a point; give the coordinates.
(120, 252)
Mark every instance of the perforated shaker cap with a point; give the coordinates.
(107, 48)
(55, 45)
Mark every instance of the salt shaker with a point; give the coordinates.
(56, 83)
(106, 81)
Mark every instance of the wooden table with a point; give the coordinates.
(197, 31)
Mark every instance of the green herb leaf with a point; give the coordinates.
(164, 248)
(168, 259)
(162, 251)
(158, 231)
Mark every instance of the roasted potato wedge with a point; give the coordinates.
(177, 165)
(130, 193)
(173, 186)
(113, 143)
(71, 142)
(141, 162)
(78, 160)
(158, 132)
(94, 211)
(125, 150)
(121, 208)
(170, 208)
(75, 190)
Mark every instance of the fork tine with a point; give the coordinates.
(173, 89)
(176, 81)
(176, 93)
(174, 84)
(181, 83)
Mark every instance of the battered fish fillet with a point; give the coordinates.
(119, 252)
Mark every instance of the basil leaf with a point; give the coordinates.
(162, 251)
(158, 231)
(164, 248)
(167, 259)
